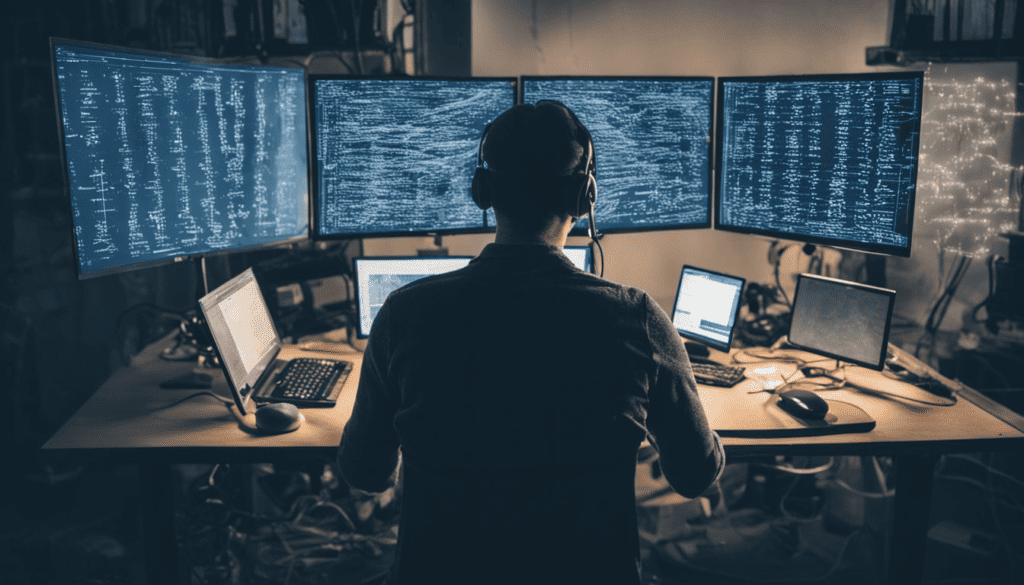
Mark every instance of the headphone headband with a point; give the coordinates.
(577, 199)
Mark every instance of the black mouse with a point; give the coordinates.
(803, 404)
(279, 417)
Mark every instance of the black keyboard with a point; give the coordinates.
(309, 379)
(717, 374)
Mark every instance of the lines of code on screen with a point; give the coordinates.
(169, 158)
(652, 140)
(832, 160)
(398, 155)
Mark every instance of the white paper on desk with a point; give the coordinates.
(769, 376)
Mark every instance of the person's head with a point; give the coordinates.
(535, 166)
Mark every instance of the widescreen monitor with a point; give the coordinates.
(652, 144)
(824, 159)
(841, 319)
(396, 156)
(378, 277)
(707, 306)
(169, 157)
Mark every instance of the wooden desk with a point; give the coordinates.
(915, 435)
(123, 422)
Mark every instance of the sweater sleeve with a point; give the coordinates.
(368, 454)
(691, 455)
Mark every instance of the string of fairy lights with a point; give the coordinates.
(967, 196)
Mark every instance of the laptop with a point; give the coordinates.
(844, 320)
(581, 256)
(707, 306)
(377, 277)
(247, 342)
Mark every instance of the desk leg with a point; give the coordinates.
(156, 486)
(914, 474)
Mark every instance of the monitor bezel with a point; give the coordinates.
(890, 293)
(886, 249)
(711, 145)
(69, 207)
(355, 280)
(736, 317)
(314, 184)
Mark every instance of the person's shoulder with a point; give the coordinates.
(611, 289)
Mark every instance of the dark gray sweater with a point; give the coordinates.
(519, 389)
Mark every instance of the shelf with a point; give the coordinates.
(903, 57)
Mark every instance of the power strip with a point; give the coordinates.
(908, 362)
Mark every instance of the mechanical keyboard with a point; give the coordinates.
(717, 374)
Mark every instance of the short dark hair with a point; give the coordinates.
(529, 148)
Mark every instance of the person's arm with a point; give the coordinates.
(368, 455)
(690, 454)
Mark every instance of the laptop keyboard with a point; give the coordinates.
(717, 374)
(310, 378)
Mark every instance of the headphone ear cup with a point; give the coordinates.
(479, 189)
(581, 193)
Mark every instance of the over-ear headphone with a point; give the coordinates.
(578, 193)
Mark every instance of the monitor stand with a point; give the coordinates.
(185, 349)
(696, 349)
(437, 250)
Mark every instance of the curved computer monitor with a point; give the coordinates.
(824, 159)
(652, 143)
(170, 157)
(395, 156)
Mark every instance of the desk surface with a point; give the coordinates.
(124, 421)
(974, 423)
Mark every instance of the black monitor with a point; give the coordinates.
(169, 157)
(841, 319)
(652, 143)
(824, 159)
(707, 306)
(396, 156)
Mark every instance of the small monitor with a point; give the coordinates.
(824, 159)
(396, 156)
(843, 320)
(169, 157)
(652, 146)
(376, 278)
(581, 256)
(707, 306)
(243, 333)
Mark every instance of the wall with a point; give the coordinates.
(673, 37)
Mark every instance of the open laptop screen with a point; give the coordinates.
(706, 306)
(581, 256)
(242, 330)
(376, 278)
(841, 319)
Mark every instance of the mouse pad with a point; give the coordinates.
(770, 421)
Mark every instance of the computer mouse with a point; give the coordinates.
(803, 404)
(278, 417)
